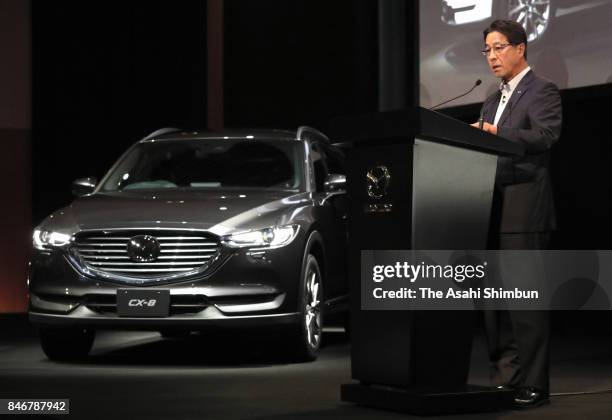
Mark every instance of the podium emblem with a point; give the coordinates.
(378, 179)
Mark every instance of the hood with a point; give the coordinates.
(220, 212)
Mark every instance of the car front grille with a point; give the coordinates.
(180, 252)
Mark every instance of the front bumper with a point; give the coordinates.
(240, 291)
(84, 317)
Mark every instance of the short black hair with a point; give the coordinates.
(514, 31)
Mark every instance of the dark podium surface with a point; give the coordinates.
(417, 180)
(405, 125)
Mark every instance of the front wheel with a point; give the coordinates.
(309, 332)
(66, 344)
(536, 16)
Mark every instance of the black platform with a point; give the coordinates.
(427, 402)
(154, 378)
(416, 180)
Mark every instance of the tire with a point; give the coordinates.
(309, 332)
(66, 344)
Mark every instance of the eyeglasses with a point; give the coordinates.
(497, 49)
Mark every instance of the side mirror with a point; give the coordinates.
(83, 186)
(334, 183)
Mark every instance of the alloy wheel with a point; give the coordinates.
(533, 15)
(313, 306)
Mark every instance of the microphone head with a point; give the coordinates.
(478, 82)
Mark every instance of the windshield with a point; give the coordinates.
(209, 164)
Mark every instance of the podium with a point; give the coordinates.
(419, 180)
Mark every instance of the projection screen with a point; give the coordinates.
(570, 43)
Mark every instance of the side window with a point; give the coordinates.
(320, 167)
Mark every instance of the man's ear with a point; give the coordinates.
(521, 48)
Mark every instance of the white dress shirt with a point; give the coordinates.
(506, 92)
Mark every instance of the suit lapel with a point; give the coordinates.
(491, 107)
(516, 96)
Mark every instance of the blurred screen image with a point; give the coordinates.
(570, 43)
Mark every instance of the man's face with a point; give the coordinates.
(508, 62)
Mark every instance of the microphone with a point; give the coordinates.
(476, 84)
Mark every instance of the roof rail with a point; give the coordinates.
(161, 132)
(305, 129)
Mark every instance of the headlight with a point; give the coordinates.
(271, 237)
(44, 239)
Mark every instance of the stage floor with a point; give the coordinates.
(139, 375)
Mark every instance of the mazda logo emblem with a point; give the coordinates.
(143, 248)
(378, 179)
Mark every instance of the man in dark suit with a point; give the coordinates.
(527, 110)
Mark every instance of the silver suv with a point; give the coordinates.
(190, 230)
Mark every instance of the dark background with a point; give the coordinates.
(106, 73)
